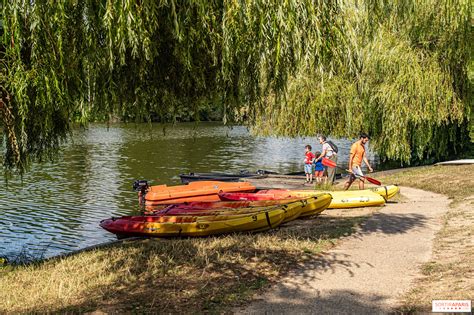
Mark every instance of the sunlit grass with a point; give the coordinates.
(455, 182)
(173, 275)
(449, 274)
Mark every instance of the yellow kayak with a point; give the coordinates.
(260, 221)
(293, 208)
(200, 226)
(322, 202)
(387, 192)
(355, 199)
(340, 199)
(350, 198)
(307, 207)
(217, 221)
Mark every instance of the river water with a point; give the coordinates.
(56, 207)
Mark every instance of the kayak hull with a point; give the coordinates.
(309, 207)
(196, 191)
(225, 177)
(200, 226)
(387, 192)
(346, 199)
(340, 199)
(202, 222)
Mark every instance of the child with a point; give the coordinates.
(318, 168)
(308, 164)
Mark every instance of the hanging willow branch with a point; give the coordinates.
(9, 126)
(403, 81)
(300, 65)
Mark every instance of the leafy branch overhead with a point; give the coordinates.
(397, 69)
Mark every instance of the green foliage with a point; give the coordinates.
(403, 81)
(394, 68)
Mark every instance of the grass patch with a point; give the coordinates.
(456, 182)
(175, 276)
(449, 275)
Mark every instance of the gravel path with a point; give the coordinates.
(368, 271)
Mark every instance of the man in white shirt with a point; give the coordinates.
(328, 152)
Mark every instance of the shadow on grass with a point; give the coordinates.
(215, 273)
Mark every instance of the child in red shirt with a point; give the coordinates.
(308, 164)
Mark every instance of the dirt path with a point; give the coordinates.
(368, 271)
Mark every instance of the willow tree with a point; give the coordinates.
(80, 60)
(403, 78)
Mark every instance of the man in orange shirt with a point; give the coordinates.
(355, 162)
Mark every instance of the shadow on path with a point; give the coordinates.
(393, 223)
(335, 302)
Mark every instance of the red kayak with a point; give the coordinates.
(273, 194)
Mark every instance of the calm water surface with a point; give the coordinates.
(57, 206)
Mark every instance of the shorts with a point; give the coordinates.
(319, 173)
(356, 173)
(308, 168)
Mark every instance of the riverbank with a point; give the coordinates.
(55, 207)
(217, 273)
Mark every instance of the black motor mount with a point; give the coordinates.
(140, 185)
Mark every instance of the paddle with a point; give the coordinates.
(329, 163)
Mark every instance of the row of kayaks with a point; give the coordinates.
(199, 222)
(212, 207)
(214, 191)
(340, 199)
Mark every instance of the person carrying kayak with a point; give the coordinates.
(356, 157)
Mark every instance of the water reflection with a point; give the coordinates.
(57, 206)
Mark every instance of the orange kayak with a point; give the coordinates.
(206, 191)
